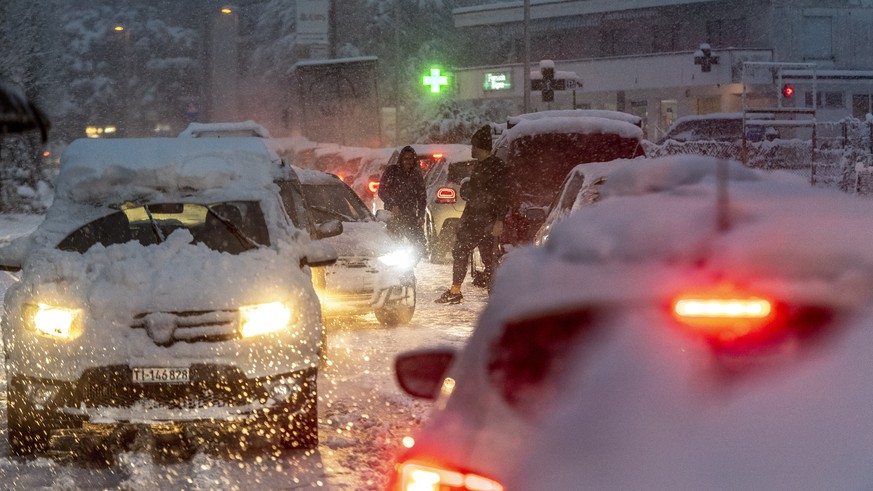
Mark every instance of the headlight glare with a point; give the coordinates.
(401, 257)
(54, 321)
(264, 318)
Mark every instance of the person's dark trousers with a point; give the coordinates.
(473, 231)
(408, 228)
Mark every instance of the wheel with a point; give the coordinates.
(399, 311)
(301, 432)
(28, 429)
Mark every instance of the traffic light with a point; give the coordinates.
(787, 91)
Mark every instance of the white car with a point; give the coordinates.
(687, 332)
(166, 287)
(581, 188)
(373, 273)
(444, 205)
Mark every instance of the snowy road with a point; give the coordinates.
(362, 413)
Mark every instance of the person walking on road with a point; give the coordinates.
(487, 202)
(401, 188)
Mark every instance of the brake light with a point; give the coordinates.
(420, 477)
(724, 317)
(446, 195)
(437, 156)
(373, 186)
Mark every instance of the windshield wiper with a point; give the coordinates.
(244, 239)
(157, 230)
(332, 213)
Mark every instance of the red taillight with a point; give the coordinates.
(723, 317)
(420, 477)
(373, 186)
(437, 156)
(446, 195)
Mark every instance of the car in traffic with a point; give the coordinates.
(374, 273)
(539, 153)
(444, 206)
(722, 127)
(582, 187)
(166, 291)
(702, 327)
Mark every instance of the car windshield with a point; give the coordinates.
(335, 202)
(232, 227)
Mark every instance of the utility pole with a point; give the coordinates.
(397, 70)
(526, 56)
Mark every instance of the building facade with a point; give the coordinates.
(644, 56)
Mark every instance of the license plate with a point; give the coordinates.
(153, 375)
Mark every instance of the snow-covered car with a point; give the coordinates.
(373, 272)
(166, 287)
(582, 188)
(691, 333)
(721, 127)
(444, 205)
(539, 153)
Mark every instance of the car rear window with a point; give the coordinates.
(527, 361)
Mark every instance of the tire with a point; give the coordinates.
(28, 429)
(301, 433)
(397, 313)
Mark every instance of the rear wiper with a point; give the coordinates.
(244, 239)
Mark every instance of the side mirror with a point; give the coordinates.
(420, 374)
(330, 228)
(319, 254)
(12, 254)
(384, 216)
(535, 215)
(464, 191)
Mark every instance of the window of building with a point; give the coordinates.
(665, 38)
(861, 105)
(612, 41)
(828, 100)
(817, 38)
(726, 33)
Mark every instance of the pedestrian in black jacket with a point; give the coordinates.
(401, 189)
(482, 220)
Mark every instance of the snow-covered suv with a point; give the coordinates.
(166, 287)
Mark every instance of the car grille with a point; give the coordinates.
(167, 328)
(210, 386)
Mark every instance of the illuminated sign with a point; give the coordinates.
(435, 81)
(497, 81)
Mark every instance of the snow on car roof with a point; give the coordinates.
(95, 170)
(316, 177)
(231, 129)
(564, 124)
(597, 113)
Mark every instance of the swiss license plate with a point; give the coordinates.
(155, 375)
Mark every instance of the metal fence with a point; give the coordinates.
(843, 162)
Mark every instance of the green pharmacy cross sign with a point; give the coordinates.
(435, 80)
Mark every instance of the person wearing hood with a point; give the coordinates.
(402, 190)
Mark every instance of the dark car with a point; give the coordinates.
(539, 154)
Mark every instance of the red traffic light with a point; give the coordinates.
(787, 91)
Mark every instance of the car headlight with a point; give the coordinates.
(56, 322)
(264, 318)
(401, 257)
